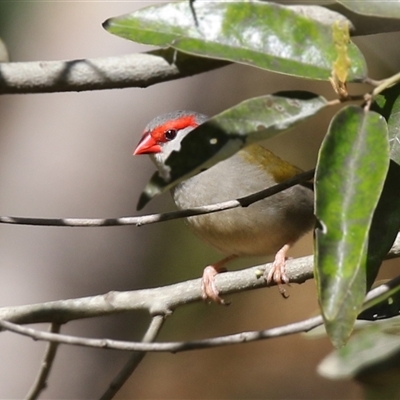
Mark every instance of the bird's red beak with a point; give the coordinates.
(147, 145)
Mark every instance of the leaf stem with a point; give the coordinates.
(386, 83)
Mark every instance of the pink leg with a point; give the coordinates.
(277, 272)
(208, 289)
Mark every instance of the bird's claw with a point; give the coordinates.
(277, 272)
(209, 290)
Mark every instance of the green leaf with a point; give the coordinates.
(190, 65)
(376, 343)
(382, 308)
(385, 223)
(394, 128)
(387, 103)
(264, 35)
(351, 170)
(226, 133)
(385, 9)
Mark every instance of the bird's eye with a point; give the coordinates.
(170, 134)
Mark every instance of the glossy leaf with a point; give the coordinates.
(394, 126)
(226, 133)
(264, 35)
(385, 223)
(386, 220)
(385, 9)
(351, 170)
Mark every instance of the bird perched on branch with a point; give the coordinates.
(267, 227)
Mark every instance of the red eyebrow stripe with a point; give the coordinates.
(180, 123)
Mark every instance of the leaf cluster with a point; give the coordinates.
(357, 179)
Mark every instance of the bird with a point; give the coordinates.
(268, 227)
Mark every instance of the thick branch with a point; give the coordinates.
(133, 70)
(378, 294)
(158, 301)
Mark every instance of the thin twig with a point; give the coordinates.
(135, 359)
(151, 219)
(386, 83)
(193, 11)
(372, 82)
(41, 380)
(171, 347)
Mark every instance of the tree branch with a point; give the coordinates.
(41, 380)
(380, 292)
(172, 347)
(135, 359)
(158, 301)
(151, 219)
(133, 70)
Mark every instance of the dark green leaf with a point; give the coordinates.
(265, 35)
(385, 223)
(223, 135)
(394, 129)
(388, 308)
(385, 295)
(385, 9)
(388, 104)
(351, 170)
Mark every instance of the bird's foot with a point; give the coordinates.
(209, 290)
(277, 272)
